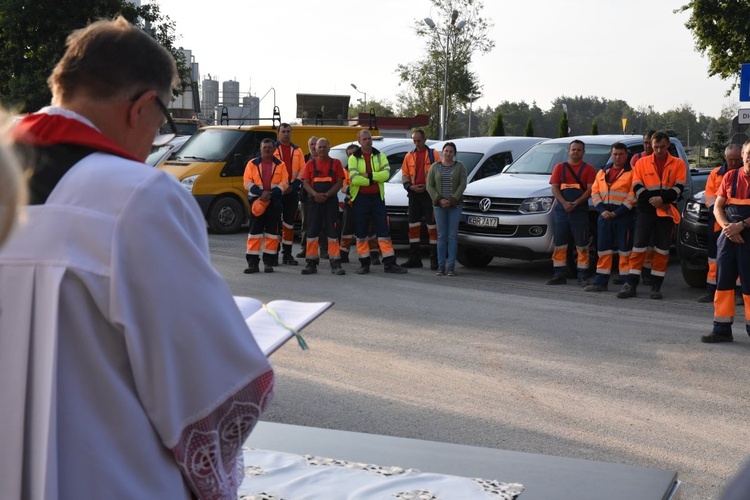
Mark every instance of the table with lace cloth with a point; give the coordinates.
(345, 464)
(274, 475)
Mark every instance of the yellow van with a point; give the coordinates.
(211, 163)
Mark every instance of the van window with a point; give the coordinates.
(494, 165)
(636, 148)
(395, 161)
(247, 149)
(156, 154)
(470, 160)
(542, 158)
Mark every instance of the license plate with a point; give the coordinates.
(474, 220)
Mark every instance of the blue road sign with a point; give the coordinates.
(745, 82)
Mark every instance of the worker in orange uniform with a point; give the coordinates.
(612, 195)
(571, 186)
(322, 178)
(732, 213)
(649, 258)
(414, 170)
(732, 160)
(294, 159)
(266, 178)
(658, 182)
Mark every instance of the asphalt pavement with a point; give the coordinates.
(494, 357)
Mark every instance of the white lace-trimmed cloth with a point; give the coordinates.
(273, 475)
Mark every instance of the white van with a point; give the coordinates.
(482, 156)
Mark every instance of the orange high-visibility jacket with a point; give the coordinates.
(298, 164)
(713, 183)
(647, 184)
(409, 166)
(253, 180)
(619, 192)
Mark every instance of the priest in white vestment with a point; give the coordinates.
(126, 369)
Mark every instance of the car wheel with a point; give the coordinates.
(473, 257)
(695, 277)
(226, 216)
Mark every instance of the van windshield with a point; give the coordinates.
(156, 154)
(470, 161)
(210, 145)
(542, 158)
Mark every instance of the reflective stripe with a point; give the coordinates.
(363, 247)
(312, 249)
(724, 306)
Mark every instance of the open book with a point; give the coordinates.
(274, 323)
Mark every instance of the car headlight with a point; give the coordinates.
(539, 205)
(692, 210)
(189, 182)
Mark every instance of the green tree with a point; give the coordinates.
(381, 108)
(498, 129)
(529, 132)
(719, 142)
(721, 31)
(594, 128)
(684, 121)
(459, 28)
(33, 35)
(563, 128)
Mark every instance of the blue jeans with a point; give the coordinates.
(447, 220)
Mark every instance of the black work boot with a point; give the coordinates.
(414, 260)
(433, 257)
(629, 288)
(311, 267)
(336, 267)
(656, 282)
(390, 266)
(721, 332)
(375, 258)
(344, 257)
(252, 265)
(364, 265)
(646, 277)
(286, 257)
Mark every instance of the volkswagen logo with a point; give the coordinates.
(485, 204)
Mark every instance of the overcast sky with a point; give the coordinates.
(636, 50)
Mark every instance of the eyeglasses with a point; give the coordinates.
(167, 116)
(160, 138)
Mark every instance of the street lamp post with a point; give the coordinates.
(457, 27)
(364, 103)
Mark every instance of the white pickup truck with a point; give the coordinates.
(510, 214)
